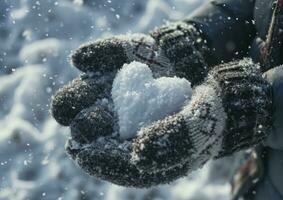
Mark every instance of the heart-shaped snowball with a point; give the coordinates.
(139, 99)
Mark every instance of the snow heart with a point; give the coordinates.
(139, 99)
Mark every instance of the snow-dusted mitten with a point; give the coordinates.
(81, 93)
(92, 145)
(231, 111)
(110, 160)
(175, 49)
(85, 104)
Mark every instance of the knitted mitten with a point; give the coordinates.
(85, 104)
(110, 160)
(212, 124)
(231, 111)
(177, 48)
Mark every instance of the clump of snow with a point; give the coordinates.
(139, 99)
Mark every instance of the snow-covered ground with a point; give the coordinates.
(36, 37)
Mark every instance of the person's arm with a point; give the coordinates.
(228, 27)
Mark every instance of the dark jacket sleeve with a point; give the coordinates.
(227, 25)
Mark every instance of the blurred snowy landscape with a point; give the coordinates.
(36, 37)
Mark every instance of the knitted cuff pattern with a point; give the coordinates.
(231, 111)
(247, 99)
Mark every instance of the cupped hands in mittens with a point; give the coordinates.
(183, 139)
(86, 105)
(101, 137)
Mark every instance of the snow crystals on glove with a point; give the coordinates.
(139, 99)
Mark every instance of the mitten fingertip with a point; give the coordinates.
(103, 55)
(92, 123)
(69, 100)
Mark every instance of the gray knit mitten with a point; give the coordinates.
(231, 111)
(212, 124)
(86, 106)
(176, 49)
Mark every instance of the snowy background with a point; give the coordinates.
(36, 37)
